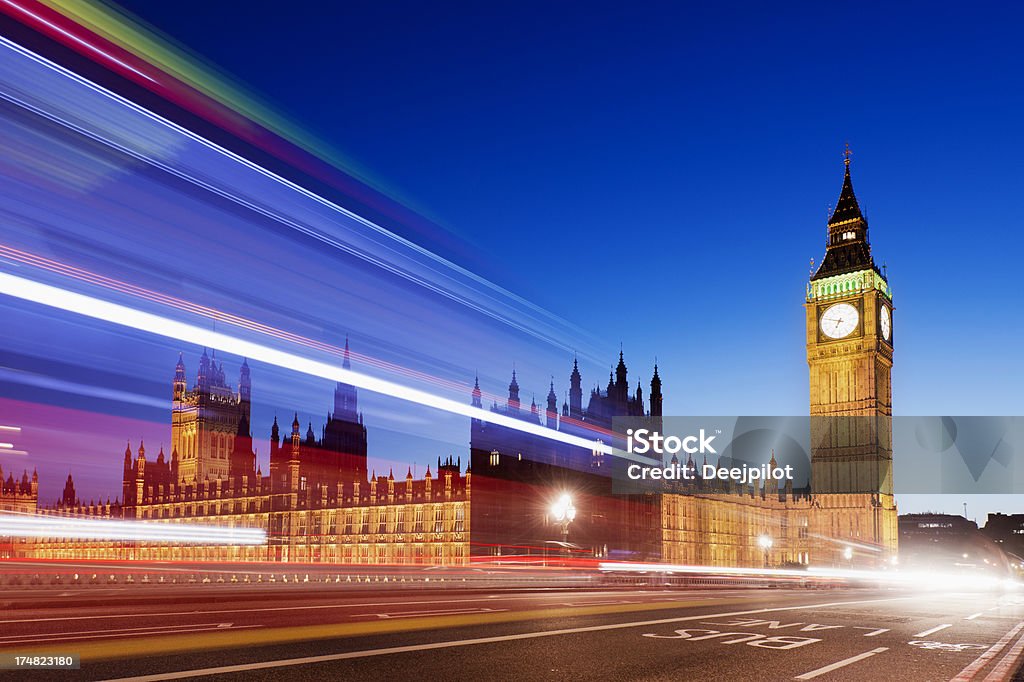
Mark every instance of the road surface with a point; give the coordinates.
(612, 634)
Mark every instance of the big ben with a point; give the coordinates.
(849, 311)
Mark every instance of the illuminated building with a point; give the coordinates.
(847, 517)
(318, 505)
(850, 355)
(18, 496)
(204, 420)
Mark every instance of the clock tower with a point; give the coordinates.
(849, 353)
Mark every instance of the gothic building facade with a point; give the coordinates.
(317, 503)
(846, 517)
(19, 496)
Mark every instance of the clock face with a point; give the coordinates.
(839, 320)
(885, 322)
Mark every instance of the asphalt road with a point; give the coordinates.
(613, 634)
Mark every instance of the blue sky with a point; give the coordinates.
(659, 174)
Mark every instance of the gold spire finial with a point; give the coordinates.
(847, 154)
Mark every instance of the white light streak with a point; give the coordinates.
(918, 580)
(115, 313)
(72, 37)
(6, 446)
(18, 526)
(16, 429)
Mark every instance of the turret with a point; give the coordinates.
(552, 411)
(513, 393)
(621, 381)
(575, 392)
(69, 498)
(179, 384)
(656, 393)
(245, 385)
(204, 373)
(345, 397)
(476, 394)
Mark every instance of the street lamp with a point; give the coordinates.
(765, 542)
(564, 512)
(848, 554)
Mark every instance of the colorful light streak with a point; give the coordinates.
(79, 274)
(268, 194)
(114, 313)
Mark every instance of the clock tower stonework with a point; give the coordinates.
(849, 354)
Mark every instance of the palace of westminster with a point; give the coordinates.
(317, 502)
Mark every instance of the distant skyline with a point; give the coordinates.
(659, 175)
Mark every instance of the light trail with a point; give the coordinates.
(114, 313)
(380, 247)
(88, 46)
(927, 580)
(71, 528)
(79, 274)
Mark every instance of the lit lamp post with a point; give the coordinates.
(765, 542)
(564, 512)
(848, 555)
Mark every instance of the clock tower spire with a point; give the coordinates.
(848, 248)
(849, 339)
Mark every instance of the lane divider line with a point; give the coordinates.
(300, 634)
(934, 630)
(841, 664)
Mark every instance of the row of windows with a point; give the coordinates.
(382, 520)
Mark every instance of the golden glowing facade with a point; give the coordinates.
(385, 521)
(318, 505)
(18, 496)
(849, 516)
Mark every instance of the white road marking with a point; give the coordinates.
(974, 615)
(980, 662)
(307, 660)
(841, 664)
(1006, 665)
(873, 633)
(934, 630)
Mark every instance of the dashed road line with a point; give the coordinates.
(308, 660)
(840, 664)
(934, 630)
